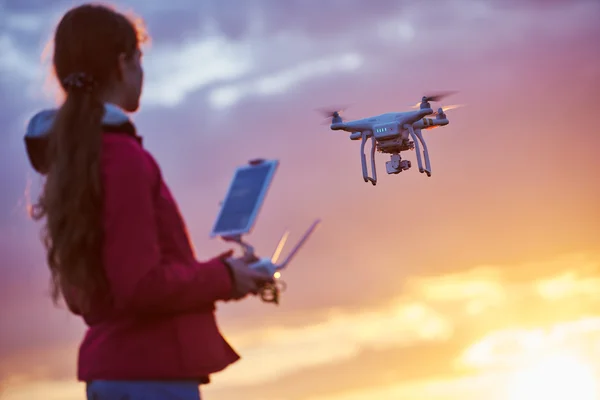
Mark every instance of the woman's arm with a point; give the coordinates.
(139, 282)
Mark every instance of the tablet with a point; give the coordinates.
(244, 198)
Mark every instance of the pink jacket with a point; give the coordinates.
(159, 323)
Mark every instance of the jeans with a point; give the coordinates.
(142, 390)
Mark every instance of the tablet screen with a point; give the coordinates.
(244, 198)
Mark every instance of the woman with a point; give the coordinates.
(116, 244)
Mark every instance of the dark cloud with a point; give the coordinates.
(318, 18)
(187, 23)
(27, 5)
(312, 17)
(13, 161)
(176, 19)
(539, 5)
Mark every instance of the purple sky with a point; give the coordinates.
(515, 174)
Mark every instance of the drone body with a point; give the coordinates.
(393, 133)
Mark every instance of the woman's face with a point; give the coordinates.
(132, 75)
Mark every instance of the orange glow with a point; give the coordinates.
(557, 377)
(27, 197)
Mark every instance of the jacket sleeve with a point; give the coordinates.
(139, 281)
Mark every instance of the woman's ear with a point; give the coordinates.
(121, 66)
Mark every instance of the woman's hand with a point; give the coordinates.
(245, 279)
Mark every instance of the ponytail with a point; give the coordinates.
(88, 42)
(72, 233)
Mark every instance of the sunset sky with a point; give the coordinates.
(481, 282)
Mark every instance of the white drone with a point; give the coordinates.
(391, 133)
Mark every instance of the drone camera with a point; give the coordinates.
(397, 165)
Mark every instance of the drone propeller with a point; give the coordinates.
(447, 108)
(438, 96)
(434, 97)
(331, 113)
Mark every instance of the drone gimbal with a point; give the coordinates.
(395, 146)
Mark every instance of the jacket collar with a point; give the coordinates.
(115, 120)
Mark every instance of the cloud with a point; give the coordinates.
(202, 51)
(468, 388)
(55, 362)
(316, 19)
(478, 289)
(16, 62)
(568, 286)
(557, 376)
(281, 82)
(23, 23)
(512, 347)
(234, 69)
(47, 390)
(341, 337)
(535, 5)
(176, 71)
(431, 311)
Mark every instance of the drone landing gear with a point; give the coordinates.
(363, 158)
(416, 134)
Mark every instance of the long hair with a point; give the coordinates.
(88, 40)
